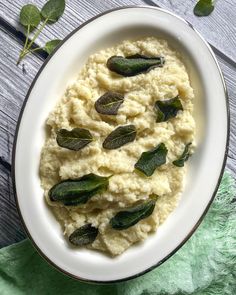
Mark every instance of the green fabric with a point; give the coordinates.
(206, 264)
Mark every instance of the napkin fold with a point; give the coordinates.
(205, 265)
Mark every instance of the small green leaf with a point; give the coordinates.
(84, 235)
(134, 64)
(53, 10)
(75, 139)
(204, 7)
(131, 216)
(167, 109)
(120, 136)
(109, 103)
(150, 160)
(73, 192)
(184, 157)
(30, 16)
(51, 45)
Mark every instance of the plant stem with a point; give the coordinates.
(37, 33)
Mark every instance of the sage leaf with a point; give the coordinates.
(53, 10)
(184, 157)
(167, 109)
(51, 45)
(75, 139)
(119, 137)
(131, 216)
(30, 16)
(150, 160)
(203, 7)
(73, 192)
(84, 235)
(134, 64)
(109, 103)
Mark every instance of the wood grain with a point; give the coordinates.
(219, 29)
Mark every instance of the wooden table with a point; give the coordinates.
(219, 29)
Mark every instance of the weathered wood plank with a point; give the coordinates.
(14, 84)
(11, 230)
(219, 28)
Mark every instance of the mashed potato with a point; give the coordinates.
(126, 187)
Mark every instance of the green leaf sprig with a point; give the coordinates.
(131, 216)
(83, 235)
(184, 157)
(31, 17)
(204, 7)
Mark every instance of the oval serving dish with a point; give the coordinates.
(205, 167)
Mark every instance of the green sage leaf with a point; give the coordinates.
(150, 160)
(53, 10)
(131, 216)
(184, 157)
(119, 137)
(134, 64)
(167, 109)
(204, 7)
(84, 235)
(109, 103)
(73, 192)
(30, 16)
(51, 45)
(75, 139)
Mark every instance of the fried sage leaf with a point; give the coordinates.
(83, 235)
(184, 157)
(120, 136)
(167, 109)
(73, 192)
(109, 103)
(75, 139)
(134, 64)
(204, 7)
(150, 160)
(131, 216)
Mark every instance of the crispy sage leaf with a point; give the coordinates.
(75, 139)
(134, 64)
(204, 7)
(150, 160)
(51, 45)
(53, 10)
(131, 216)
(30, 16)
(109, 103)
(73, 192)
(83, 235)
(120, 136)
(167, 109)
(184, 157)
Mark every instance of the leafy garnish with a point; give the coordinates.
(75, 139)
(53, 10)
(30, 18)
(83, 235)
(134, 64)
(119, 137)
(51, 45)
(73, 192)
(204, 7)
(167, 109)
(184, 157)
(109, 103)
(150, 160)
(131, 216)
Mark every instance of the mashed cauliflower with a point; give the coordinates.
(126, 187)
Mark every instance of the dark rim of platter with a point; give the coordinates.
(18, 125)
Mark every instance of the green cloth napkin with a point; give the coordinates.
(206, 264)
